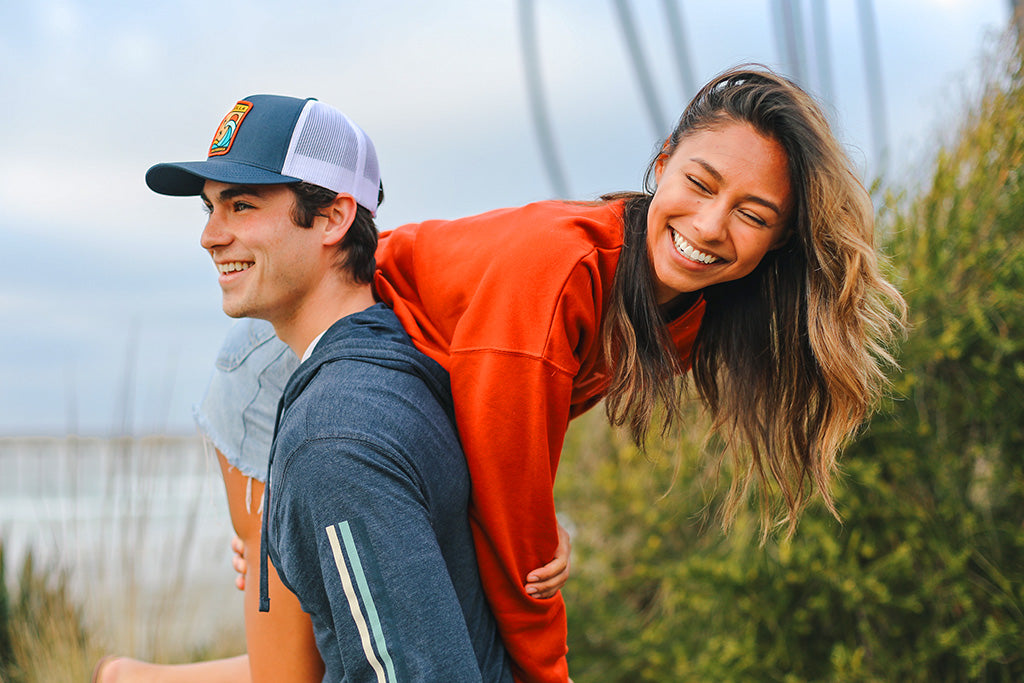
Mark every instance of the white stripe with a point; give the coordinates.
(353, 605)
(352, 553)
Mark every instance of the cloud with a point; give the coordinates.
(94, 199)
(133, 51)
(61, 21)
(98, 91)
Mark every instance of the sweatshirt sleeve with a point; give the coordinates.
(512, 408)
(515, 409)
(509, 303)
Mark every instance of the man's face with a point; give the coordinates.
(264, 259)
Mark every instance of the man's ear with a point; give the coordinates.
(339, 214)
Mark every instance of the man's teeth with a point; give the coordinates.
(225, 268)
(687, 250)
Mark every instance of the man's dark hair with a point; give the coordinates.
(357, 248)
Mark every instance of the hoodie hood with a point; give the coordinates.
(372, 336)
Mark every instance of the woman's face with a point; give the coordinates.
(723, 200)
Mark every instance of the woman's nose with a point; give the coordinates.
(711, 220)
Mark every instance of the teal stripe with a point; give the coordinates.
(364, 593)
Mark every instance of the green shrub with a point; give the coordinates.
(6, 647)
(42, 629)
(924, 579)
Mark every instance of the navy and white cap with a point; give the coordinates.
(272, 139)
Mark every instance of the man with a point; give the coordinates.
(366, 519)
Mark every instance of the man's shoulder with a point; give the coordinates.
(353, 409)
(326, 417)
(359, 395)
(364, 381)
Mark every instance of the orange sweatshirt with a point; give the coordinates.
(510, 302)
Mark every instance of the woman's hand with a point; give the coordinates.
(238, 562)
(549, 579)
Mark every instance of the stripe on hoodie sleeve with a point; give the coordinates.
(382, 664)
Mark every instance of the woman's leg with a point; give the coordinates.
(280, 642)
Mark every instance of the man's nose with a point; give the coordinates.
(213, 234)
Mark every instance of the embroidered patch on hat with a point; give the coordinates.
(225, 135)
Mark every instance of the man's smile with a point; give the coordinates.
(233, 266)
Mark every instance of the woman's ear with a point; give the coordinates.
(339, 214)
(663, 156)
(659, 166)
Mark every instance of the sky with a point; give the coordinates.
(110, 311)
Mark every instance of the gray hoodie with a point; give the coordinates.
(367, 518)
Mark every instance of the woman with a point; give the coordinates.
(749, 258)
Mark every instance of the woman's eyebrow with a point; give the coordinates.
(708, 167)
(713, 172)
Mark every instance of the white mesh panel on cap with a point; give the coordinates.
(329, 150)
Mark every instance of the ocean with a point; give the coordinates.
(139, 525)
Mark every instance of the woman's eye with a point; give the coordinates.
(757, 220)
(698, 184)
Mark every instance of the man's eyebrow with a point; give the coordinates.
(239, 190)
(230, 193)
(750, 197)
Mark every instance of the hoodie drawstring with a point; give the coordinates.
(265, 517)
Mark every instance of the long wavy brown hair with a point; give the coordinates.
(790, 359)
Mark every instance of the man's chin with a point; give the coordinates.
(233, 310)
(241, 312)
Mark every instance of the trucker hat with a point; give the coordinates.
(271, 139)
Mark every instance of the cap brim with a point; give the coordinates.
(186, 178)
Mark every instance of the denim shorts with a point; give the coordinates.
(237, 412)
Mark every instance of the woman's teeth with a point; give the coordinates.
(687, 250)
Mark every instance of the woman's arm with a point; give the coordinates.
(512, 413)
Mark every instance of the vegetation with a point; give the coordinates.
(59, 615)
(43, 636)
(46, 634)
(924, 579)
